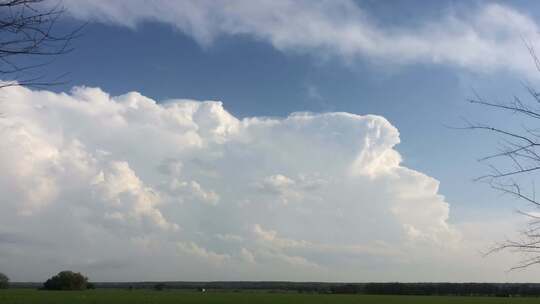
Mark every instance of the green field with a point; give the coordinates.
(29, 296)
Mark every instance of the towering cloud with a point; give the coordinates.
(104, 183)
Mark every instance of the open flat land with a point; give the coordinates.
(30, 296)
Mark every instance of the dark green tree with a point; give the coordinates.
(66, 280)
(4, 281)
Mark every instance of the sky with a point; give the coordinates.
(269, 140)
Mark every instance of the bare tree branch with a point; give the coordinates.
(28, 32)
(516, 161)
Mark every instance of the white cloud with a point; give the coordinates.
(278, 181)
(229, 237)
(483, 38)
(196, 250)
(247, 255)
(126, 196)
(89, 179)
(271, 238)
(192, 191)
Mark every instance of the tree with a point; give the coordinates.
(4, 281)
(66, 280)
(516, 164)
(29, 39)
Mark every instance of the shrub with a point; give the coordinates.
(66, 280)
(4, 281)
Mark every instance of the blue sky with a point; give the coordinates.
(427, 59)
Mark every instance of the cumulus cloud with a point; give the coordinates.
(90, 179)
(485, 38)
(207, 256)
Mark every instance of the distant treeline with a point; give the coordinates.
(459, 289)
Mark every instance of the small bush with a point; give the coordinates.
(66, 280)
(4, 281)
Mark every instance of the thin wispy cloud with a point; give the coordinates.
(485, 38)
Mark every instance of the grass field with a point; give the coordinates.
(29, 296)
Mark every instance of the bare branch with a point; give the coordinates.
(27, 31)
(517, 160)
